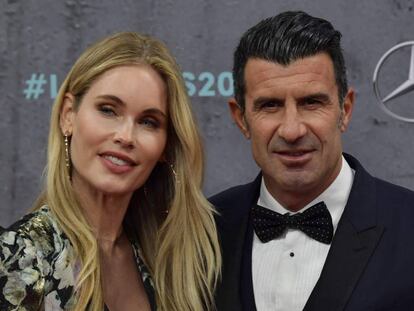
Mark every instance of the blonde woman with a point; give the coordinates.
(122, 223)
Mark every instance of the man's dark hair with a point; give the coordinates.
(285, 38)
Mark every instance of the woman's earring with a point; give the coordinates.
(67, 156)
(177, 180)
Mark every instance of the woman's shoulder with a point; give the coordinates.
(36, 263)
(35, 235)
(35, 220)
(38, 228)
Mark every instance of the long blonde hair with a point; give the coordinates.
(172, 220)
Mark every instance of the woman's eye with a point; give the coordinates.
(149, 122)
(107, 110)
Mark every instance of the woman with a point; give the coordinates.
(122, 222)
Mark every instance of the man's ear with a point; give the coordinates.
(67, 114)
(347, 109)
(237, 114)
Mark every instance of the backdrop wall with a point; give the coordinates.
(40, 40)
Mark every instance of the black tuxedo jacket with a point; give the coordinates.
(370, 265)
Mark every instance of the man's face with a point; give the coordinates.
(294, 121)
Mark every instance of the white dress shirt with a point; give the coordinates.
(285, 270)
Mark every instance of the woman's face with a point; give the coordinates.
(119, 131)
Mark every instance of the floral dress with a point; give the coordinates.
(38, 269)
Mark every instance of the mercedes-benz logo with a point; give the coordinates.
(404, 88)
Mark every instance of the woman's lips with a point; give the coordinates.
(117, 164)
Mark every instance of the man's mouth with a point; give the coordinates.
(297, 153)
(294, 157)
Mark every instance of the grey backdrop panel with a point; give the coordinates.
(45, 37)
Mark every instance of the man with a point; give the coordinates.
(314, 231)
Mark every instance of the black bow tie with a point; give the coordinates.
(316, 222)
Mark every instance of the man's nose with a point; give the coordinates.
(291, 127)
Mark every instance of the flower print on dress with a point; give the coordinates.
(38, 268)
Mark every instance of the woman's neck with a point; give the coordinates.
(105, 213)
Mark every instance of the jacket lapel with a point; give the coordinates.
(356, 238)
(233, 230)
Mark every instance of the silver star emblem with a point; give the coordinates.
(406, 87)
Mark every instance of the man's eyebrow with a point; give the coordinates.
(318, 96)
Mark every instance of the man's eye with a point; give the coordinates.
(311, 101)
(271, 104)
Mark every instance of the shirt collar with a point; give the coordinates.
(335, 196)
